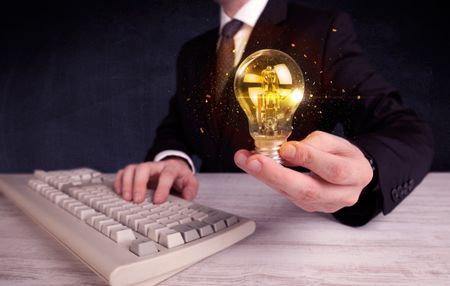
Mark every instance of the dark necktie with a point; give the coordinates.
(225, 55)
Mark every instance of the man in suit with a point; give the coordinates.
(387, 150)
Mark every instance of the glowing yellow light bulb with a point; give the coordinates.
(269, 87)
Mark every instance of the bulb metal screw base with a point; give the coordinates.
(271, 152)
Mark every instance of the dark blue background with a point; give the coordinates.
(86, 83)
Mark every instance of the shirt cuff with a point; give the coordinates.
(168, 153)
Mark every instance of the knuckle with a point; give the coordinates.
(129, 168)
(309, 194)
(316, 133)
(169, 173)
(338, 172)
(276, 178)
(174, 164)
(143, 166)
(304, 156)
(350, 200)
(368, 176)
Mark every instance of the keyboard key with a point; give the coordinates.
(231, 219)
(154, 230)
(143, 226)
(85, 212)
(171, 222)
(122, 234)
(134, 222)
(90, 220)
(170, 238)
(107, 227)
(143, 247)
(216, 222)
(101, 221)
(189, 233)
(184, 220)
(130, 219)
(202, 228)
(200, 216)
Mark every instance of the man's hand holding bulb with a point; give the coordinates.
(339, 172)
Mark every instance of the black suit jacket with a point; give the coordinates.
(341, 88)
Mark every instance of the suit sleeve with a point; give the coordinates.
(169, 135)
(374, 119)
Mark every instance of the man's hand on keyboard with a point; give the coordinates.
(339, 172)
(132, 181)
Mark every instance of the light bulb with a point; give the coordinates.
(269, 87)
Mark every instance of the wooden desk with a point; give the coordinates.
(411, 246)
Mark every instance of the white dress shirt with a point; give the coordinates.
(248, 14)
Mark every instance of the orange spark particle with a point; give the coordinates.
(293, 45)
(334, 30)
(201, 130)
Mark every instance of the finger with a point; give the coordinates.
(241, 156)
(127, 181)
(165, 183)
(142, 175)
(311, 193)
(333, 168)
(335, 197)
(188, 186)
(275, 175)
(118, 182)
(330, 143)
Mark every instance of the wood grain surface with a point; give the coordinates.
(410, 246)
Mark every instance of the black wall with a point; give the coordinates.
(85, 83)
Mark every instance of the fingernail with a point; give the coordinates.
(137, 197)
(254, 166)
(241, 159)
(127, 196)
(288, 151)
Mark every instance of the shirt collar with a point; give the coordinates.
(248, 14)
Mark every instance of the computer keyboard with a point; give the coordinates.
(123, 242)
